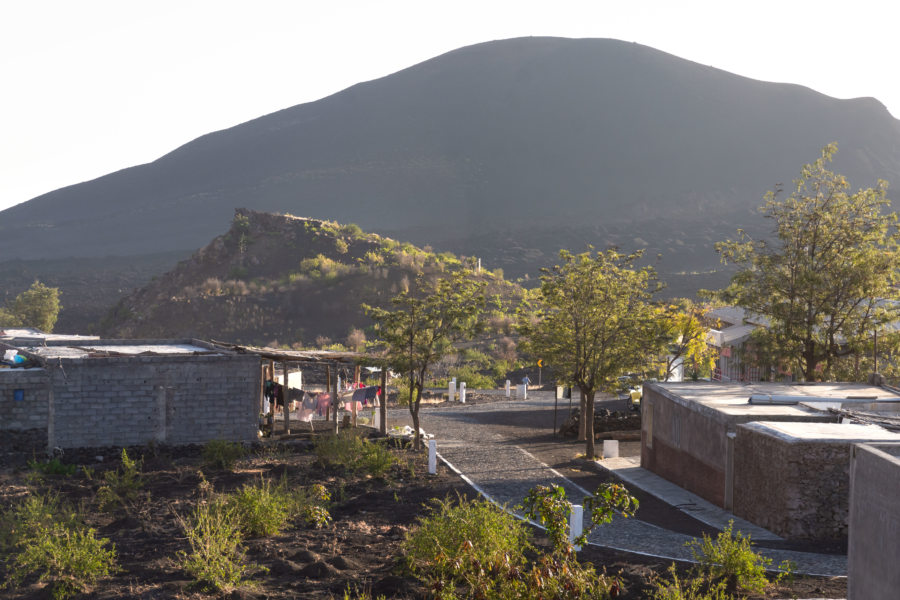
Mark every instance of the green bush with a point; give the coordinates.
(216, 557)
(123, 485)
(354, 453)
(697, 588)
(221, 454)
(463, 537)
(52, 467)
(42, 536)
(263, 509)
(730, 558)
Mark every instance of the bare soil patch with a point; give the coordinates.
(359, 550)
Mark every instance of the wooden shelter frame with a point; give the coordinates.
(331, 359)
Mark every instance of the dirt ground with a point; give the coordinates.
(360, 550)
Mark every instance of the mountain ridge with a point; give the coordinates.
(507, 150)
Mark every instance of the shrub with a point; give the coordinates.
(698, 588)
(122, 485)
(730, 558)
(221, 454)
(52, 467)
(354, 453)
(263, 509)
(43, 536)
(462, 537)
(216, 557)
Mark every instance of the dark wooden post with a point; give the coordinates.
(383, 407)
(328, 390)
(355, 387)
(334, 403)
(287, 402)
(270, 375)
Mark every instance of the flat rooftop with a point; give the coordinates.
(730, 400)
(108, 350)
(31, 335)
(792, 431)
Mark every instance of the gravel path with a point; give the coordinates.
(505, 448)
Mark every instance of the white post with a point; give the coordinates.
(432, 457)
(451, 390)
(462, 392)
(576, 524)
(508, 386)
(376, 419)
(610, 448)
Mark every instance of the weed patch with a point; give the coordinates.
(221, 454)
(355, 453)
(43, 537)
(216, 558)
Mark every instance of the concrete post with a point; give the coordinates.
(432, 457)
(462, 392)
(451, 390)
(508, 388)
(610, 448)
(576, 524)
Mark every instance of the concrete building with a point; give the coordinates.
(78, 391)
(874, 546)
(787, 453)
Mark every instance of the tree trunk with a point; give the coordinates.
(582, 424)
(414, 412)
(589, 422)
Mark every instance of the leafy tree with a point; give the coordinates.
(685, 336)
(37, 307)
(825, 280)
(423, 325)
(593, 322)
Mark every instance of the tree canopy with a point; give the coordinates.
(37, 307)
(825, 282)
(423, 325)
(592, 322)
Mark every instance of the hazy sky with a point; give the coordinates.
(90, 87)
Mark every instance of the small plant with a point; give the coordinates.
(42, 536)
(221, 454)
(464, 537)
(216, 557)
(697, 588)
(548, 505)
(730, 558)
(262, 509)
(123, 485)
(52, 467)
(355, 453)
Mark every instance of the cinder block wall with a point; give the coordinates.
(874, 547)
(795, 489)
(31, 412)
(122, 401)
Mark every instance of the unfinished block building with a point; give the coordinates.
(75, 391)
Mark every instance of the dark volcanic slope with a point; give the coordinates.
(497, 136)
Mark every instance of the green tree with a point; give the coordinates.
(593, 322)
(824, 281)
(685, 338)
(37, 307)
(425, 322)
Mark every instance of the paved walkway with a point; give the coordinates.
(490, 459)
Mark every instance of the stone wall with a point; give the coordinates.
(683, 445)
(31, 411)
(123, 401)
(798, 490)
(874, 548)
